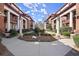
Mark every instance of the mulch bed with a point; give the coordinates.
(4, 51)
(42, 38)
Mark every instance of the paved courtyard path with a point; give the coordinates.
(22, 48)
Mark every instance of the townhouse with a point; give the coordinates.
(49, 21)
(30, 23)
(11, 17)
(67, 15)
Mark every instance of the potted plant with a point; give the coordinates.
(7, 34)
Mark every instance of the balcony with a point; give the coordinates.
(65, 21)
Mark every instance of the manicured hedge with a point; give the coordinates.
(13, 33)
(66, 33)
(65, 29)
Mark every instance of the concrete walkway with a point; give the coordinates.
(22, 48)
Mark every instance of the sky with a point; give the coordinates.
(39, 11)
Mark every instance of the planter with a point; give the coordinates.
(41, 38)
(7, 34)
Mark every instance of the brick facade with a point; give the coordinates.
(11, 20)
(2, 17)
(77, 16)
(29, 24)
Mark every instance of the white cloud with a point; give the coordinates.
(32, 13)
(39, 19)
(44, 11)
(20, 7)
(29, 5)
(32, 10)
(44, 5)
(42, 16)
(33, 17)
(35, 9)
(36, 5)
(27, 12)
(32, 6)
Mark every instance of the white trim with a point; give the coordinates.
(33, 25)
(23, 18)
(61, 23)
(18, 23)
(21, 26)
(25, 24)
(12, 5)
(57, 25)
(68, 11)
(63, 8)
(71, 19)
(44, 25)
(8, 21)
(28, 18)
(5, 7)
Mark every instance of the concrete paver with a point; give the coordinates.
(22, 48)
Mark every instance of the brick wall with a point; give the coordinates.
(77, 16)
(29, 23)
(1, 17)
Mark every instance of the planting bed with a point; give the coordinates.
(41, 38)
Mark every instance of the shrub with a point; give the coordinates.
(42, 31)
(25, 30)
(66, 33)
(76, 40)
(49, 27)
(29, 34)
(13, 33)
(37, 30)
(65, 29)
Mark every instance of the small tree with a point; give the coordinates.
(49, 26)
(39, 31)
(36, 30)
